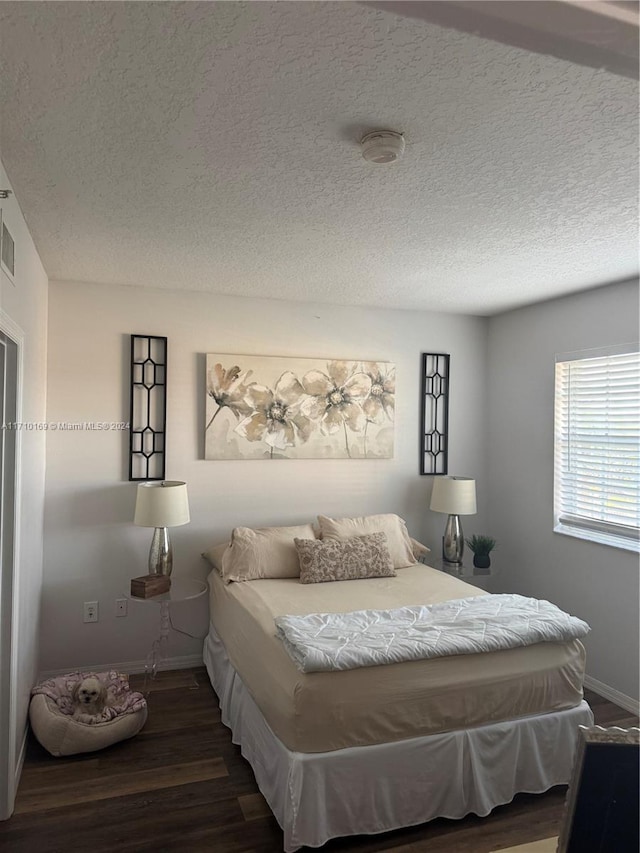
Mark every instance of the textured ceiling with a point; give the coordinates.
(214, 146)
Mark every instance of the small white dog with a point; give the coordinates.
(89, 698)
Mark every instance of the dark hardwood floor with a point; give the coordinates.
(181, 785)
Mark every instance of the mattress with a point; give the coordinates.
(324, 711)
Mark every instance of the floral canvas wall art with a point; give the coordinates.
(264, 407)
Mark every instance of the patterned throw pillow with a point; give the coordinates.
(344, 560)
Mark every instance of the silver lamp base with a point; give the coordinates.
(161, 553)
(453, 541)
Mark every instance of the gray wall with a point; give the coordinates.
(92, 546)
(596, 582)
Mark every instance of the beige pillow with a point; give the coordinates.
(214, 555)
(266, 552)
(398, 539)
(344, 560)
(419, 550)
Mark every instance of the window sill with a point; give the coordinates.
(600, 538)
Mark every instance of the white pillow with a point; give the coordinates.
(398, 539)
(266, 552)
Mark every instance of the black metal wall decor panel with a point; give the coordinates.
(147, 441)
(434, 400)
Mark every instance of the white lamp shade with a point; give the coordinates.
(454, 495)
(162, 504)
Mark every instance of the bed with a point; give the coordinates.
(376, 748)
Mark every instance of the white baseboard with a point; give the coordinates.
(130, 667)
(613, 695)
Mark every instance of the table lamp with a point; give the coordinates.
(161, 505)
(455, 496)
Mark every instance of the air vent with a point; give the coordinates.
(7, 250)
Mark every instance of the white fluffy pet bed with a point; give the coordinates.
(51, 714)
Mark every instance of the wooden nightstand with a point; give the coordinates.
(467, 572)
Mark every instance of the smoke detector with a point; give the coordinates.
(382, 146)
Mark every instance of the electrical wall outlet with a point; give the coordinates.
(91, 611)
(121, 606)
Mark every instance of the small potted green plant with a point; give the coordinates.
(481, 546)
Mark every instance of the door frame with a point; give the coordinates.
(10, 766)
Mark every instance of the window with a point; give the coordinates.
(597, 446)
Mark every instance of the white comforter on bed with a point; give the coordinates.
(335, 641)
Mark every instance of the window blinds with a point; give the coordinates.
(597, 448)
